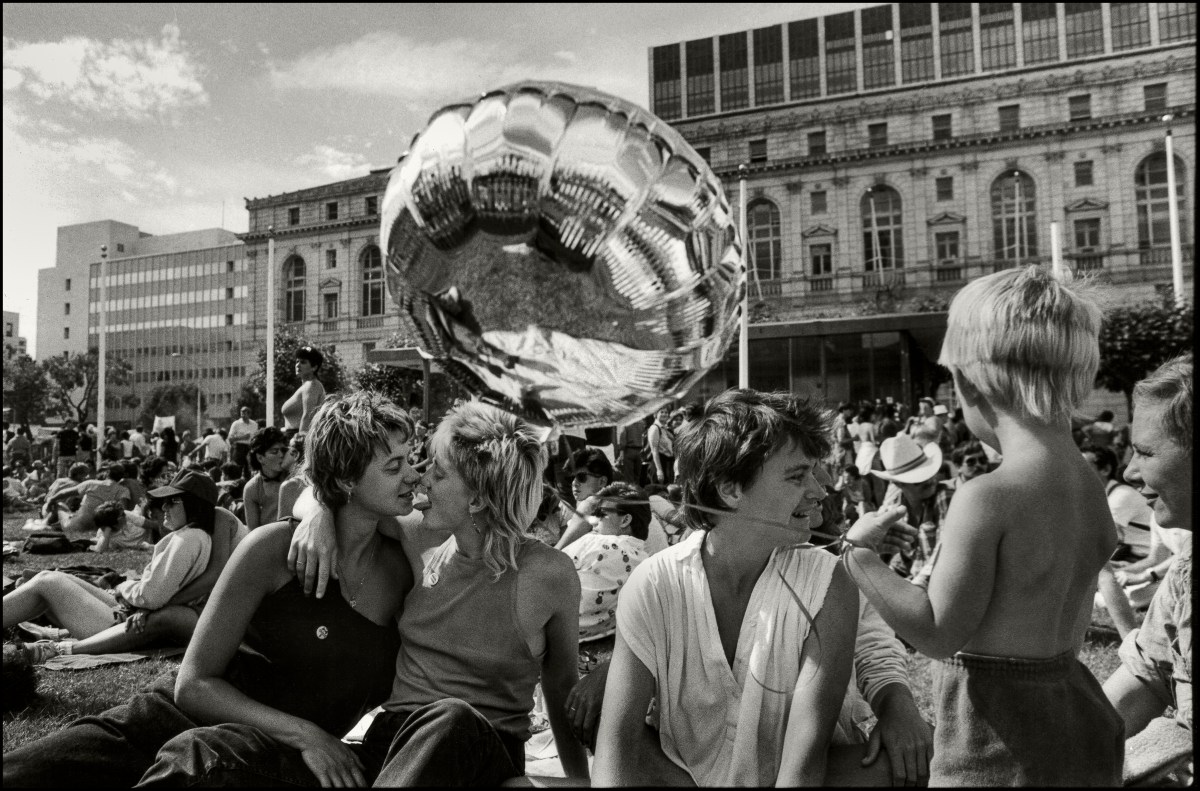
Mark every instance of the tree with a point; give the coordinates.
(25, 389)
(173, 399)
(1136, 339)
(332, 374)
(74, 379)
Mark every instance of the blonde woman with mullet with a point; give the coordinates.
(492, 612)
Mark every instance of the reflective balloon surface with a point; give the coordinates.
(563, 253)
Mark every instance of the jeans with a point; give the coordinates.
(149, 741)
(447, 743)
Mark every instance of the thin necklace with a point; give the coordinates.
(354, 596)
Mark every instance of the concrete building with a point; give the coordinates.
(14, 342)
(178, 308)
(329, 277)
(893, 153)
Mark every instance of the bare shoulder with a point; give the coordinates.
(982, 506)
(549, 569)
(262, 555)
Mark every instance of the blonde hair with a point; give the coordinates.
(343, 438)
(1028, 340)
(1171, 386)
(501, 459)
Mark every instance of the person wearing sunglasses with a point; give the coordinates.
(590, 471)
(268, 453)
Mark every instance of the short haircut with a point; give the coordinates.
(79, 470)
(345, 434)
(625, 495)
(310, 353)
(591, 460)
(263, 440)
(972, 448)
(501, 458)
(108, 514)
(296, 445)
(1171, 386)
(1027, 340)
(152, 468)
(1105, 416)
(231, 470)
(116, 471)
(734, 436)
(1105, 457)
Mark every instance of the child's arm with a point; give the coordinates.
(942, 621)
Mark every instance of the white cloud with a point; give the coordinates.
(425, 74)
(332, 163)
(133, 79)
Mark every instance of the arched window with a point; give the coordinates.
(1014, 207)
(881, 218)
(766, 242)
(1150, 185)
(372, 281)
(293, 289)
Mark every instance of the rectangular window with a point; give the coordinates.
(229, 292)
(758, 150)
(735, 84)
(816, 144)
(946, 243)
(331, 259)
(879, 69)
(331, 211)
(372, 205)
(1010, 118)
(1080, 106)
(804, 59)
(228, 266)
(705, 153)
(877, 135)
(820, 204)
(768, 65)
(841, 68)
(294, 215)
(997, 35)
(1087, 235)
(67, 285)
(667, 101)
(8, 330)
(958, 48)
(944, 187)
(1130, 25)
(942, 127)
(1155, 97)
(1039, 31)
(916, 42)
(701, 84)
(66, 309)
(228, 319)
(1085, 29)
(821, 257)
(66, 333)
(1083, 173)
(120, 247)
(331, 305)
(1176, 21)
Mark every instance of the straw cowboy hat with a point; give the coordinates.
(905, 462)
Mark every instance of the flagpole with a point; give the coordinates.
(1056, 263)
(270, 326)
(102, 362)
(744, 337)
(1173, 215)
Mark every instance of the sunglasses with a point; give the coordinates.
(581, 477)
(975, 461)
(601, 513)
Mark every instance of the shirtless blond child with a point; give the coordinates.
(1011, 594)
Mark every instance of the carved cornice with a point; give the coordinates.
(330, 284)
(819, 230)
(1054, 156)
(947, 218)
(1087, 204)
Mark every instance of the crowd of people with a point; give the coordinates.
(763, 566)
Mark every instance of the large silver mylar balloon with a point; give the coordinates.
(563, 253)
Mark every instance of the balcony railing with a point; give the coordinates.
(369, 322)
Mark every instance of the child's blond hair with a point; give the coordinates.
(1027, 340)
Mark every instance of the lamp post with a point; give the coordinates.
(270, 394)
(1173, 219)
(101, 362)
(199, 412)
(744, 334)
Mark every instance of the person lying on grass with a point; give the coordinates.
(162, 606)
(274, 712)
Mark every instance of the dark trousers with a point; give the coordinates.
(447, 743)
(149, 741)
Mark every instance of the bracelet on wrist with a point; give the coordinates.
(843, 542)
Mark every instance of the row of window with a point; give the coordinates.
(131, 277)
(331, 210)
(189, 374)
(187, 348)
(191, 322)
(295, 287)
(1038, 35)
(942, 125)
(1014, 223)
(165, 299)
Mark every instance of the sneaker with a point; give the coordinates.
(33, 631)
(37, 653)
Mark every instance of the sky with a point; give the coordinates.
(168, 116)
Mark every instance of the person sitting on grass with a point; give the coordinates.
(175, 575)
(1156, 659)
(56, 511)
(231, 486)
(1010, 598)
(268, 449)
(296, 481)
(275, 712)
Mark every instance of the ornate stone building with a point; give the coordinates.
(893, 153)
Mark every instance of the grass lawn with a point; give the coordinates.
(65, 695)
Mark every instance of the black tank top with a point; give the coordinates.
(321, 660)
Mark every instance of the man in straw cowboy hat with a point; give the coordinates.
(912, 473)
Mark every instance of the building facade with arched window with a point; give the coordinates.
(913, 147)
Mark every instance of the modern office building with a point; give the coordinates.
(329, 278)
(14, 342)
(895, 152)
(178, 308)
